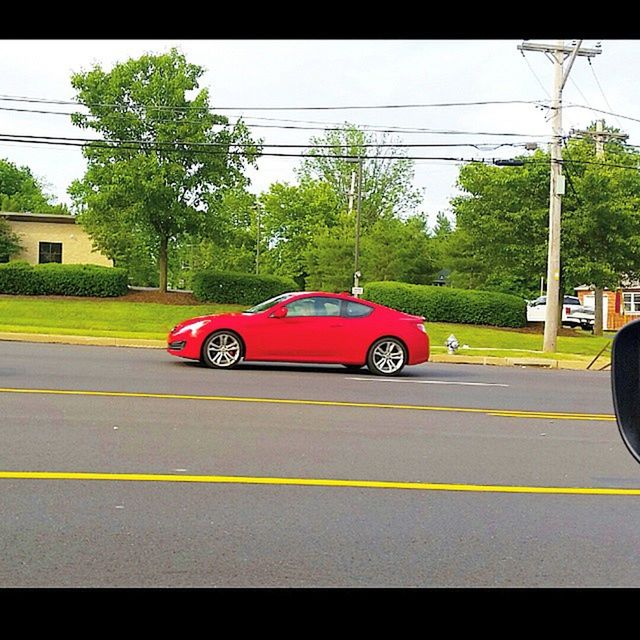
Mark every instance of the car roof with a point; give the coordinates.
(343, 295)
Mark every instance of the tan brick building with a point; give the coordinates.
(53, 238)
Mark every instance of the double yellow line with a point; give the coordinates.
(502, 413)
(315, 482)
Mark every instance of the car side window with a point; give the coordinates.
(357, 310)
(313, 307)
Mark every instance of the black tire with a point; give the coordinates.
(387, 357)
(222, 350)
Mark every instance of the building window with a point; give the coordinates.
(632, 302)
(50, 252)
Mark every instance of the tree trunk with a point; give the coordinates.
(597, 327)
(162, 264)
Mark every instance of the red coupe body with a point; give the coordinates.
(313, 327)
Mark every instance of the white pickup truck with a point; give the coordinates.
(573, 313)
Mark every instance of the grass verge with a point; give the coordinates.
(108, 317)
(116, 318)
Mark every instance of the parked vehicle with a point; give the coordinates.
(313, 327)
(574, 314)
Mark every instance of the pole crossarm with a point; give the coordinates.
(553, 48)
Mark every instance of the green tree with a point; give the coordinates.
(20, 190)
(602, 220)
(227, 243)
(9, 241)
(387, 175)
(501, 236)
(164, 161)
(501, 218)
(291, 216)
(392, 249)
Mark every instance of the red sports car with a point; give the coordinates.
(306, 327)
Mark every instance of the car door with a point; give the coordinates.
(310, 329)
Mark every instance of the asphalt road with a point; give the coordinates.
(489, 452)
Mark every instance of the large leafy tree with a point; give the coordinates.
(501, 235)
(291, 216)
(501, 226)
(387, 175)
(227, 243)
(20, 190)
(392, 249)
(164, 160)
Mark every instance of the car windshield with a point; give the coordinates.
(267, 304)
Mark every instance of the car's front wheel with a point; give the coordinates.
(222, 350)
(387, 357)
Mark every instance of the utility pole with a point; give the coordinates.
(257, 239)
(600, 136)
(356, 261)
(557, 53)
(356, 267)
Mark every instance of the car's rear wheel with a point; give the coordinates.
(387, 357)
(222, 350)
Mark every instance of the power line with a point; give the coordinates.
(278, 108)
(489, 146)
(334, 127)
(610, 113)
(593, 71)
(535, 75)
(170, 147)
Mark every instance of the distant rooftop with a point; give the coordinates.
(27, 216)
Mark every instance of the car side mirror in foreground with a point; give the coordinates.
(281, 312)
(625, 383)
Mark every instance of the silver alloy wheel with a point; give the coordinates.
(222, 350)
(387, 357)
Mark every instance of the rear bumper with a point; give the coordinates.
(419, 351)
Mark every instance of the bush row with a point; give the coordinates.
(22, 278)
(238, 288)
(445, 304)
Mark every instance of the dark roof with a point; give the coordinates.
(38, 217)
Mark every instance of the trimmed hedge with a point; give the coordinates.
(22, 278)
(238, 288)
(445, 304)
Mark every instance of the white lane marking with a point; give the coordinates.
(466, 384)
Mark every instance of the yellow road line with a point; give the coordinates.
(503, 413)
(315, 482)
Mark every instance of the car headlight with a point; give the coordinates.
(192, 327)
(421, 327)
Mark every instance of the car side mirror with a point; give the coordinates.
(625, 384)
(280, 312)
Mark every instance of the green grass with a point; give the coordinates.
(118, 319)
(109, 318)
(514, 343)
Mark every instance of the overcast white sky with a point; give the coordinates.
(268, 73)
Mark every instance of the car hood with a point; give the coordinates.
(207, 318)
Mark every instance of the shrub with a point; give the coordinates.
(21, 278)
(238, 288)
(445, 304)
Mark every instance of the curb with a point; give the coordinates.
(541, 363)
(86, 340)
